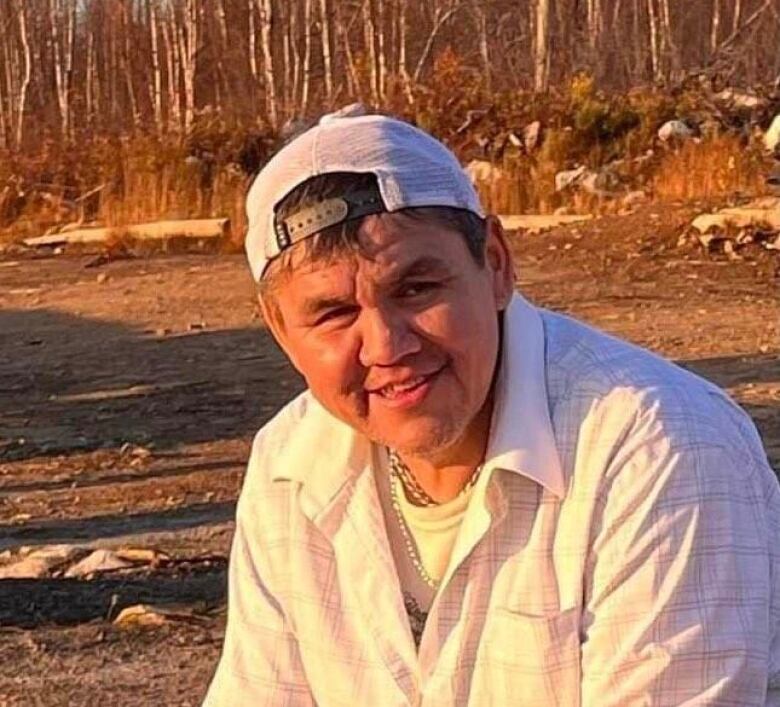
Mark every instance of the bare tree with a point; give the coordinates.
(327, 51)
(21, 102)
(542, 46)
(266, 15)
(442, 14)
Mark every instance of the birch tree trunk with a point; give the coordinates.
(669, 43)
(480, 20)
(252, 42)
(381, 48)
(369, 42)
(127, 62)
(715, 26)
(89, 78)
(189, 37)
(24, 38)
(737, 16)
(595, 24)
(7, 86)
(62, 58)
(327, 61)
(173, 70)
(440, 18)
(151, 9)
(266, 16)
(542, 47)
(403, 67)
(353, 80)
(655, 53)
(307, 31)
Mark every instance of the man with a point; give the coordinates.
(476, 501)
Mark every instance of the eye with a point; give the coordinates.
(417, 289)
(335, 315)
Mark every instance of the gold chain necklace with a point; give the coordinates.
(401, 472)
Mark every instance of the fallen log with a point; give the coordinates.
(536, 223)
(157, 230)
(764, 212)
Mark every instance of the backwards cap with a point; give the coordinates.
(411, 167)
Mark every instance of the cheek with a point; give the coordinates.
(330, 368)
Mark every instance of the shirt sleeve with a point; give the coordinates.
(260, 663)
(679, 581)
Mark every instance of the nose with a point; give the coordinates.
(387, 338)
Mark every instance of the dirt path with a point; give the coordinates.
(131, 392)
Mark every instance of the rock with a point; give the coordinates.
(633, 199)
(141, 555)
(532, 134)
(102, 277)
(603, 183)
(568, 178)
(482, 171)
(739, 99)
(675, 131)
(42, 562)
(140, 615)
(150, 615)
(96, 562)
(772, 136)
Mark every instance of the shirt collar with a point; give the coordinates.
(521, 435)
(324, 454)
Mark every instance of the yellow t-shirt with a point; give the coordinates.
(433, 529)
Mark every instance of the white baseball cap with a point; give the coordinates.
(411, 167)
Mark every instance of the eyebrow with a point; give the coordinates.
(425, 265)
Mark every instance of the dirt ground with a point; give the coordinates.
(131, 390)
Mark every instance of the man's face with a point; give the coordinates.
(399, 340)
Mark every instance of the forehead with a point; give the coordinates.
(381, 245)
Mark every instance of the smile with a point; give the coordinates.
(406, 393)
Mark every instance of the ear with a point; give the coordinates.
(498, 258)
(274, 321)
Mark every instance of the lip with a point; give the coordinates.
(409, 398)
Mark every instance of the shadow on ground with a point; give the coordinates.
(83, 530)
(27, 603)
(71, 383)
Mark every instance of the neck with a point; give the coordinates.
(444, 474)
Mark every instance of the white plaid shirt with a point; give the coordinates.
(624, 549)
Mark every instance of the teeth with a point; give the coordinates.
(398, 388)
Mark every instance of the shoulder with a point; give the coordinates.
(279, 452)
(614, 396)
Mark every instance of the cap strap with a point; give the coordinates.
(326, 213)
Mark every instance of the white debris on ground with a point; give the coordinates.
(604, 182)
(532, 134)
(96, 562)
(154, 615)
(772, 136)
(675, 131)
(731, 230)
(569, 178)
(82, 561)
(483, 172)
(736, 99)
(42, 562)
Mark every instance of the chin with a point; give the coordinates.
(420, 439)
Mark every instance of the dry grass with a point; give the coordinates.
(132, 179)
(718, 167)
